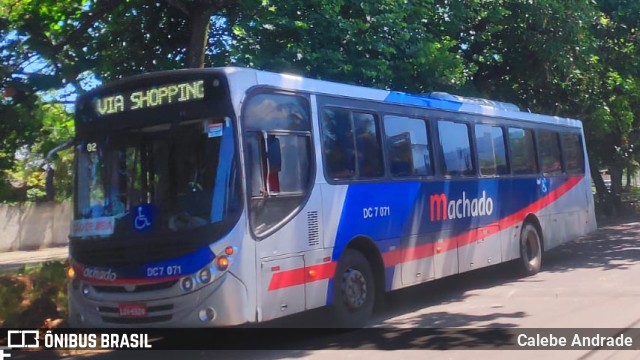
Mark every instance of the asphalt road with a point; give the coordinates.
(590, 283)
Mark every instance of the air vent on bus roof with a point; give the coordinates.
(473, 101)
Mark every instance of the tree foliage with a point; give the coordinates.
(50, 45)
(26, 175)
(574, 58)
(387, 44)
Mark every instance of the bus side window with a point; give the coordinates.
(455, 148)
(523, 154)
(368, 154)
(573, 154)
(491, 150)
(338, 143)
(549, 148)
(408, 146)
(351, 143)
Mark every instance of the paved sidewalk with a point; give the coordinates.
(15, 259)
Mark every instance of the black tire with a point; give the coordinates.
(353, 290)
(530, 250)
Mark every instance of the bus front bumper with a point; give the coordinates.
(221, 303)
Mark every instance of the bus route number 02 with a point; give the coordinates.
(376, 211)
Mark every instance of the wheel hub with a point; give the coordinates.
(354, 288)
(531, 248)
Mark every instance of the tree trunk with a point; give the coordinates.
(199, 19)
(199, 13)
(616, 186)
(605, 204)
(601, 188)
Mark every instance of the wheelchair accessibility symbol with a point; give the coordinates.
(544, 184)
(144, 218)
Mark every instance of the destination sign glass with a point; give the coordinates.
(150, 97)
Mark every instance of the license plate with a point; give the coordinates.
(132, 310)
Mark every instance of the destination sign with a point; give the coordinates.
(150, 97)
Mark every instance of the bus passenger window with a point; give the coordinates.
(408, 146)
(550, 152)
(573, 154)
(339, 146)
(491, 150)
(523, 154)
(455, 148)
(369, 154)
(351, 145)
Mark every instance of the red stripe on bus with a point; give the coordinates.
(301, 276)
(295, 277)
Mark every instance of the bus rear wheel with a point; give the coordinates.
(353, 290)
(530, 250)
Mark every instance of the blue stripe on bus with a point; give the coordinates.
(187, 264)
(422, 101)
(156, 271)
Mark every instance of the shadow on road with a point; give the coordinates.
(614, 247)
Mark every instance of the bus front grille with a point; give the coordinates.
(134, 289)
(137, 321)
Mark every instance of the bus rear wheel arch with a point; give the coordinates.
(531, 249)
(354, 290)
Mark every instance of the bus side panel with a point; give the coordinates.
(285, 261)
(419, 264)
(446, 254)
(319, 271)
(510, 241)
(560, 205)
(433, 229)
(380, 212)
(485, 251)
(276, 300)
(568, 217)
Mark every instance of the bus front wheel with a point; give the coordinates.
(530, 250)
(353, 290)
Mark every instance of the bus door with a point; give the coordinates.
(283, 208)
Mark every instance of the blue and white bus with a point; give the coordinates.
(217, 197)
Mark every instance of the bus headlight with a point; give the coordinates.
(209, 273)
(187, 284)
(204, 275)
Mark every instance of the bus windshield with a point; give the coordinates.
(172, 177)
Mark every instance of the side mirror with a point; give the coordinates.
(49, 184)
